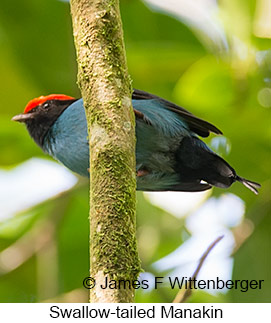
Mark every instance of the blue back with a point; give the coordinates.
(67, 141)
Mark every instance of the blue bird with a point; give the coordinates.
(169, 154)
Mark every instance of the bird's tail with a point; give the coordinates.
(253, 186)
(195, 161)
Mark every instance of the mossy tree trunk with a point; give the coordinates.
(106, 90)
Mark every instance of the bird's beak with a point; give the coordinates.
(22, 117)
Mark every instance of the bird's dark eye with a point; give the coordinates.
(46, 105)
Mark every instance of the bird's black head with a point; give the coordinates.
(41, 113)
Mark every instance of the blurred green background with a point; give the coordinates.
(212, 58)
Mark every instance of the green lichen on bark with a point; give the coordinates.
(106, 90)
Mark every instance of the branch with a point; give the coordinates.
(106, 90)
(183, 295)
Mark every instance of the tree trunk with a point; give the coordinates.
(106, 90)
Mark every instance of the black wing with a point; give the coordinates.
(197, 125)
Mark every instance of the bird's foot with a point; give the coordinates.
(142, 172)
